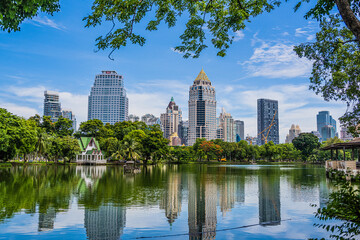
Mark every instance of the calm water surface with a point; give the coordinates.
(162, 202)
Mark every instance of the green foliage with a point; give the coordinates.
(336, 60)
(343, 205)
(91, 128)
(63, 127)
(218, 17)
(307, 143)
(14, 12)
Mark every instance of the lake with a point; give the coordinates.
(194, 201)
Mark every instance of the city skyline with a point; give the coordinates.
(58, 53)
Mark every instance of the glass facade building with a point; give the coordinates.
(108, 101)
(267, 110)
(202, 109)
(239, 130)
(326, 125)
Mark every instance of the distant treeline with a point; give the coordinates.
(40, 139)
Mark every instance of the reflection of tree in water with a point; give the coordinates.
(49, 188)
(269, 197)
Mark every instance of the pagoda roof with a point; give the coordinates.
(202, 76)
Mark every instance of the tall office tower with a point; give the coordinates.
(269, 197)
(183, 132)
(52, 105)
(226, 127)
(202, 109)
(326, 125)
(345, 135)
(107, 100)
(67, 113)
(150, 120)
(239, 130)
(293, 133)
(133, 118)
(171, 119)
(267, 110)
(106, 222)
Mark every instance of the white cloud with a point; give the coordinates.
(297, 105)
(238, 35)
(300, 32)
(45, 21)
(19, 110)
(276, 60)
(285, 34)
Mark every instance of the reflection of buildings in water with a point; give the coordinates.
(269, 199)
(202, 209)
(323, 193)
(227, 195)
(107, 222)
(300, 193)
(90, 173)
(172, 199)
(240, 189)
(47, 219)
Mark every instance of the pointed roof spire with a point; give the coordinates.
(202, 76)
(172, 99)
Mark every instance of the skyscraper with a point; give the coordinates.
(171, 119)
(67, 113)
(293, 133)
(267, 110)
(183, 132)
(326, 125)
(202, 109)
(107, 100)
(239, 130)
(52, 105)
(226, 127)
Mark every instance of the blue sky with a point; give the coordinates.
(57, 53)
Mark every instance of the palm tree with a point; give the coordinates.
(41, 143)
(119, 151)
(131, 149)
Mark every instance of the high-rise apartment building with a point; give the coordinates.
(226, 129)
(345, 135)
(67, 113)
(326, 125)
(108, 101)
(133, 118)
(202, 109)
(183, 132)
(268, 129)
(52, 105)
(239, 130)
(293, 133)
(150, 119)
(171, 119)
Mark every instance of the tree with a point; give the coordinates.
(91, 128)
(306, 143)
(13, 13)
(343, 205)
(63, 127)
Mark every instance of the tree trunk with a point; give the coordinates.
(349, 17)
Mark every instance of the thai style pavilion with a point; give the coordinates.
(90, 152)
(352, 166)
